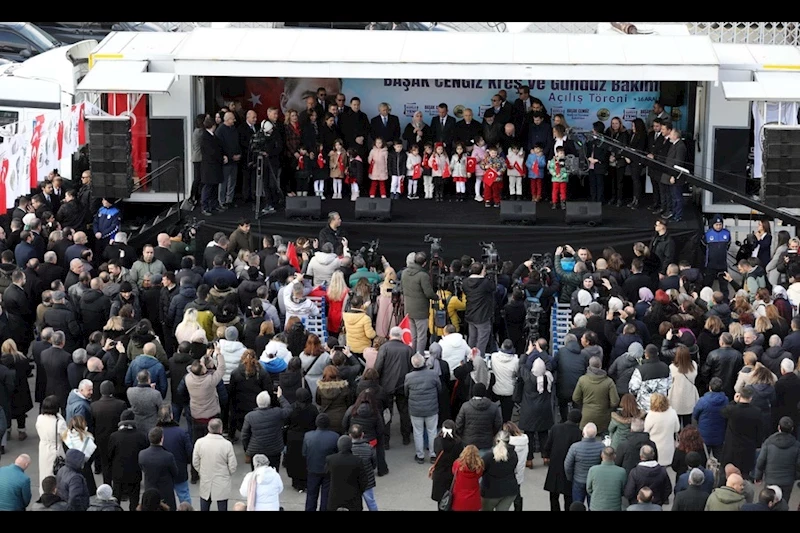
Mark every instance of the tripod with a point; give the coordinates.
(266, 184)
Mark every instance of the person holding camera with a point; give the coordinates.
(479, 314)
(417, 295)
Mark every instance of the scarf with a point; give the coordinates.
(252, 488)
(480, 374)
(540, 371)
(645, 294)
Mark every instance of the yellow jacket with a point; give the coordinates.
(359, 331)
(453, 307)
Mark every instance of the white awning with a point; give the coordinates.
(382, 54)
(120, 76)
(768, 86)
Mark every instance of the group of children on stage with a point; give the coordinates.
(403, 170)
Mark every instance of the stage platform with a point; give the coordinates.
(462, 225)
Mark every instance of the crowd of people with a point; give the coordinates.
(148, 367)
(334, 146)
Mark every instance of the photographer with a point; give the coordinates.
(268, 143)
(417, 295)
(570, 281)
(790, 257)
(480, 293)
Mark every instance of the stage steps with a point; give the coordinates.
(560, 320)
(318, 325)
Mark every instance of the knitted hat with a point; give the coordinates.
(231, 333)
(125, 286)
(716, 218)
(104, 492)
(155, 279)
(322, 421)
(479, 390)
(107, 388)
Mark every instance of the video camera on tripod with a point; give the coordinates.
(436, 246)
(369, 253)
(490, 258)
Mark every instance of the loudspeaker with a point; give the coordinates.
(518, 211)
(110, 156)
(672, 94)
(374, 208)
(590, 213)
(303, 207)
(780, 185)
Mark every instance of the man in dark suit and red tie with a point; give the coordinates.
(443, 128)
(385, 125)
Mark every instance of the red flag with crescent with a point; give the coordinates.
(291, 255)
(426, 161)
(371, 166)
(489, 177)
(519, 168)
(417, 171)
(535, 167)
(472, 163)
(405, 325)
(341, 163)
(446, 171)
(434, 164)
(321, 160)
(35, 140)
(3, 176)
(301, 164)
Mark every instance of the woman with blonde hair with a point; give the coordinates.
(662, 424)
(763, 384)
(265, 333)
(335, 301)
(520, 442)
(683, 393)
(185, 330)
(467, 472)
(358, 326)
(499, 481)
(78, 437)
(21, 402)
(383, 319)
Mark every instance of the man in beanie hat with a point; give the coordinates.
(348, 479)
(106, 412)
(123, 456)
(479, 420)
(717, 240)
(104, 500)
(317, 446)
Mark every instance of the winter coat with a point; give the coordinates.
(662, 427)
(480, 294)
(504, 368)
(145, 403)
(269, 486)
(95, 309)
(743, 435)
(392, 364)
(570, 365)
(160, 472)
(466, 488)
(520, 444)
(54, 363)
(359, 331)
(96, 504)
(619, 429)
(322, 266)
(124, 446)
(478, 421)
(21, 369)
(156, 369)
(649, 474)
(49, 428)
(763, 400)
(787, 398)
(77, 405)
(178, 442)
(422, 387)
(370, 420)
(178, 365)
(683, 394)
(215, 461)
(454, 350)
(417, 292)
(710, 421)
(378, 162)
(560, 439)
(649, 378)
(348, 481)
(581, 456)
(723, 363)
(621, 344)
(70, 482)
(499, 477)
(262, 431)
(62, 318)
(628, 451)
(136, 347)
(317, 446)
(177, 305)
(447, 450)
(203, 397)
(691, 499)
(536, 408)
(772, 357)
(597, 395)
(244, 389)
(622, 369)
(333, 398)
(778, 462)
(363, 450)
(605, 483)
(232, 352)
(724, 499)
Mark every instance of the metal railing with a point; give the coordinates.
(161, 170)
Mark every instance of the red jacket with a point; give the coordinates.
(466, 489)
(334, 310)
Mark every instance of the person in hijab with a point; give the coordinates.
(442, 370)
(535, 410)
(643, 305)
(301, 420)
(262, 487)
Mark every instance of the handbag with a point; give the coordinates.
(433, 466)
(59, 461)
(446, 503)
(387, 416)
(712, 463)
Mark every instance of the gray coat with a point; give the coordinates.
(145, 402)
(417, 292)
(422, 387)
(392, 364)
(581, 456)
(779, 460)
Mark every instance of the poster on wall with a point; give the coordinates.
(581, 102)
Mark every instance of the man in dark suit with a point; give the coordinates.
(467, 129)
(311, 105)
(106, 413)
(211, 168)
(522, 106)
(246, 132)
(676, 156)
(159, 468)
(655, 141)
(385, 125)
(348, 477)
(663, 186)
(502, 110)
(229, 135)
(354, 123)
(443, 128)
(55, 361)
(322, 101)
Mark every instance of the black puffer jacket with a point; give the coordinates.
(262, 431)
(371, 421)
(178, 367)
(649, 474)
(70, 481)
(245, 389)
(478, 421)
(95, 309)
(499, 478)
(61, 318)
(779, 460)
(247, 291)
(570, 365)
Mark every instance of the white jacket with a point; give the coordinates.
(278, 348)
(232, 352)
(504, 368)
(322, 266)
(302, 309)
(793, 291)
(520, 444)
(268, 489)
(454, 350)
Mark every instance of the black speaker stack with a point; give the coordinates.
(517, 211)
(780, 184)
(589, 213)
(374, 209)
(304, 207)
(110, 157)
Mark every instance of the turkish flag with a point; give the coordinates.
(426, 161)
(301, 164)
(446, 171)
(405, 325)
(472, 163)
(340, 160)
(60, 139)
(260, 94)
(434, 164)
(417, 171)
(3, 176)
(35, 139)
(489, 177)
(371, 166)
(118, 105)
(535, 167)
(291, 255)
(519, 168)
(82, 124)
(321, 160)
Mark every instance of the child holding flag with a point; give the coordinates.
(355, 173)
(495, 166)
(440, 166)
(397, 169)
(558, 170)
(427, 171)
(536, 165)
(413, 170)
(338, 166)
(320, 172)
(515, 161)
(477, 156)
(458, 169)
(304, 165)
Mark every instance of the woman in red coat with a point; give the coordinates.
(335, 299)
(467, 472)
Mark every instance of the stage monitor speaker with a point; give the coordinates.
(590, 213)
(673, 93)
(303, 207)
(518, 211)
(110, 156)
(374, 208)
(780, 184)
